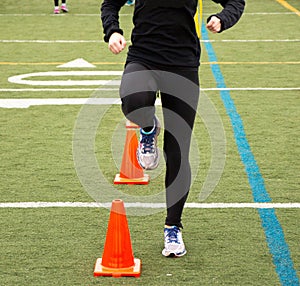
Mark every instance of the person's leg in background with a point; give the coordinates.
(56, 7)
(63, 7)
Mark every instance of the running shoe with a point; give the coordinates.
(147, 151)
(130, 2)
(174, 246)
(64, 8)
(56, 10)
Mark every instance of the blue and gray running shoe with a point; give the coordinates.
(174, 246)
(147, 152)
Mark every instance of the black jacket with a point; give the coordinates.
(164, 32)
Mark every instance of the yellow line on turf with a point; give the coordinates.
(288, 6)
(109, 63)
(252, 63)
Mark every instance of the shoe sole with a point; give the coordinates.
(172, 254)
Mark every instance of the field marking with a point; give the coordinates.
(151, 205)
(27, 102)
(61, 15)
(123, 14)
(102, 41)
(273, 231)
(55, 63)
(122, 63)
(288, 6)
(21, 79)
(250, 40)
(52, 41)
(54, 89)
(254, 63)
(115, 89)
(77, 63)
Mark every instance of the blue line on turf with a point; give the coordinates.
(272, 228)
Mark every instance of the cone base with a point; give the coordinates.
(134, 271)
(138, 181)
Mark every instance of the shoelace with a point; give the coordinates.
(148, 142)
(172, 235)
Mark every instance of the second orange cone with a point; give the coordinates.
(131, 172)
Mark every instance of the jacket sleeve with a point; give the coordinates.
(110, 17)
(231, 13)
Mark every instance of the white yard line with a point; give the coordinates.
(51, 41)
(150, 205)
(116, 89)
(54, 89)
(122, 14)
(101, 41)
(27, 102)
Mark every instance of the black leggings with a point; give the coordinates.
(179, 91)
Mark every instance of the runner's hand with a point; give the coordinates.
(214, 24)
(117, 43)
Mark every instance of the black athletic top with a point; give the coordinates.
(164, 32)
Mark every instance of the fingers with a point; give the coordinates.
(214, 24)
(117, 43)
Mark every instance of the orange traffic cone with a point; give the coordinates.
(131, 172)
(117, 259)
